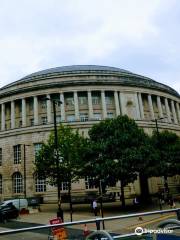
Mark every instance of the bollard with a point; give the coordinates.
(97, 224)
(178, 214)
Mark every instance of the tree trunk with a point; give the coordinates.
(70, 200)
(122, 197)
(101, 203)
(145, 197)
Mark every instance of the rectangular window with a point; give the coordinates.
(70, 101)
(95, 100)
(44, 120)
(43, 104)
(32, 122)
(70, 118)
(64, 186)
(1, 183)
(0, 156)
(37, 147)
(31, 106)
(17, 154)
(20, 123)
(109, 100)
(97, 116)
(58, 119)
(40, 185)
(83, 117)
(82, 100)
(110, 115)
(89, 183)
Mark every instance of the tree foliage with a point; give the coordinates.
(118, 149)
(167, 145)
(70, 152)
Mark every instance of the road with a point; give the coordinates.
(80, 212)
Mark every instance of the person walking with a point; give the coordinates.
(95, 208)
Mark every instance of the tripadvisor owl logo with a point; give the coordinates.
(139, 231)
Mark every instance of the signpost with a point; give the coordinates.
(59, 233)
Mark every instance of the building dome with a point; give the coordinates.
(120, 76)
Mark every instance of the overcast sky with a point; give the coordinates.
(137, 35)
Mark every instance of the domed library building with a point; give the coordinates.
(89, 94)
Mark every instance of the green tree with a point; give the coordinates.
(70, 153)
(118, 148)
(167, 146)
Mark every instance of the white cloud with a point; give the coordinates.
(48, 33)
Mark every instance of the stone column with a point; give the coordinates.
(116, 100)
(174, 112)
(167, 110)
(151, 106)
(23, 112)
(62, 107)
(76, 106)
(36, 118)
(12, 114)
(160, 111)
(103, 101)
(138, 116)
(141, 106)
(178, 111)
(48, 102)
(3, 116)
(90, 106)
(122, 103)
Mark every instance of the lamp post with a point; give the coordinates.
(60, 211)
(166, 188)
(25, 145)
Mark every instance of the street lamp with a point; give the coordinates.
(166, 188)
(156, 122)
(25, 145)
(54, 102)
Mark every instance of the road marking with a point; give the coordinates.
(150, 221)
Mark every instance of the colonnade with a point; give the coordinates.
(172, 108)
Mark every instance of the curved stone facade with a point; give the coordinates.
(88, 94)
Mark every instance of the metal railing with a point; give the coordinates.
(94, 220)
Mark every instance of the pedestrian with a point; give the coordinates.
(135, 201)
(95, 208)
(161, 200)
(172, 203)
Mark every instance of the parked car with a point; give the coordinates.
(110, 197)
(8, 211)
(19, 203)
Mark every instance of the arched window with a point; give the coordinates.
(40, 183)
(0, 184)
(17, 182)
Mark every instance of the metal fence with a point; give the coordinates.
(44, 231)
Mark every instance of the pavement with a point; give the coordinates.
(83, 212)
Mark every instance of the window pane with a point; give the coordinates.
(0, 184)
(89, 183)
(70, 118)
(64, 186)
(83, 117)
(95, 100)
(110, 115)
(82, 100)
(17, 183)
(40, 184)
(0, 156)
(17, 154)
(37, 147)
(97, 116)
